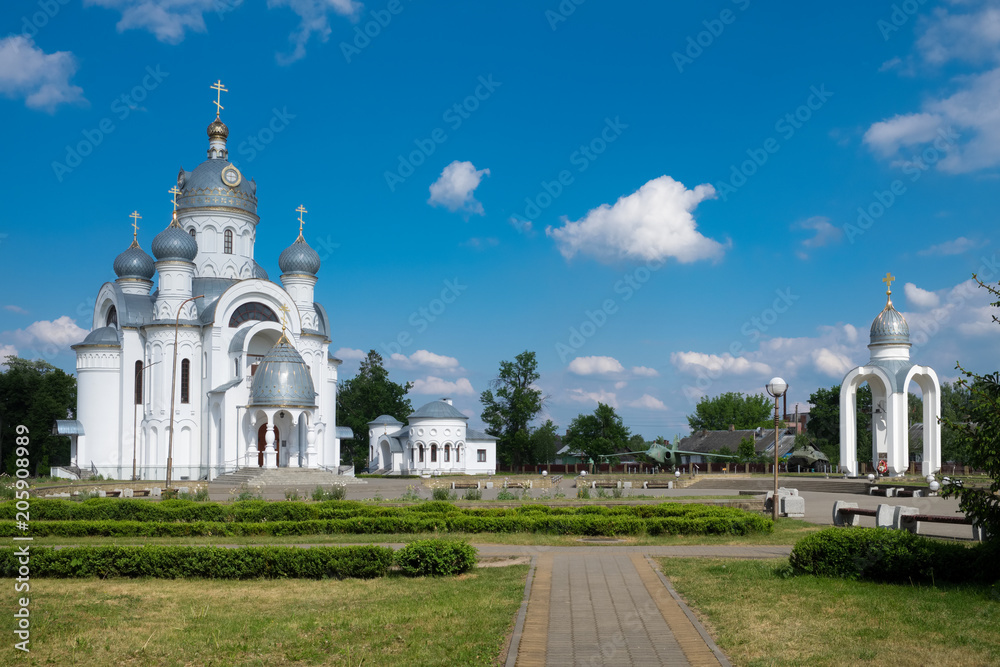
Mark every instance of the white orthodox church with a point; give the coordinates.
(889, 373)
(235, 364)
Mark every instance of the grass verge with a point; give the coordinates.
(759, 618)
(394, 621)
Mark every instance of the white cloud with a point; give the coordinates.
(920, 298)
(6, 351)
(621, 384)
(695, 363)
(523, 226)
(350, 354)
(888, 136)
(600, 396)
(653, 223)
(643, 371)
(954, 247)
(596, 366)
(972, 37)
(16, 309)
(825, 233)
(314, 15)
(455, 187)
(42, 79)
(168, 20)
(425, 359)
(648, 402)
(442, 387)
(832, 364)
(61, 332)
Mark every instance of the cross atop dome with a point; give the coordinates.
(135, 225)
(300, 210)
(218, 87)
(888, 287)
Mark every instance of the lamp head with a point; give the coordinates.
(777, 387)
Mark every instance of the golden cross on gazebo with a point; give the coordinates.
(217, 86)
(135, 223)
(300, 210)
(174, 191)
(888, 282)
(284, 311)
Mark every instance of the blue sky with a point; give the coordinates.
(661, 201)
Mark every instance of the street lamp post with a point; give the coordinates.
(173, 390)
(776, 388)
(135, 434)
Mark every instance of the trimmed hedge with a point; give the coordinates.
(172, 562)
(435, 558)
(896, 556)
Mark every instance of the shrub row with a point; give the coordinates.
(435, 558)
(172, 562)
(114, 509)
(587, 524)
(895, 556)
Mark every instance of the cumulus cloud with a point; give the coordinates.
(168, 20)
(15, 309)
(973, 37)
(350, 354)
(442, 387)
(643, 371)
(42, 79)
(455, 187)
(695, 363)
(824, 233)
(314, 20)
(61, 332)
(654, 223)
(888, 136)
(596, 366)
(954, 247)
(832, 364)
(425, 359)
(920, 298)
(599, 396)
(648, 402)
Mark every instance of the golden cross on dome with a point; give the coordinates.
(217, 86)
(888, 282)
(174, 191)
(135, 223)
(284, 311)
(300, 210)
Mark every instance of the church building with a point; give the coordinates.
(235, 365)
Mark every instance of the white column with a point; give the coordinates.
(311, 448)
(848, 424)
(270, 455)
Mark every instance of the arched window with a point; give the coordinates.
(421, 453)
(237, 361)
(191, 232)
(112, 319)
(228, 242)
(434, 453)
(138, 382)
(252, 311)
(458, 454)
(447, 453)
(186, 381)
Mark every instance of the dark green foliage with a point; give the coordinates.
(442, 493)
(824, 422)
(361, 399)
(509, 405)
(171, 562)
(597, 434)
(732, 408)
(34, 394)
(894, 556)
(435, 558)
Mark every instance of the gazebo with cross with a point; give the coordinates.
(889, 372)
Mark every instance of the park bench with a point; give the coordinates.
(658, 485)
(899, 517)
(112, 494)
(141, 493)
(465, 485)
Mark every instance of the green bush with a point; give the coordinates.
(472, 494)
(583, 492)
(171, 562)
(435, 558)
(896, 556)
(441, 493)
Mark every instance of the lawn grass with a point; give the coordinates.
(786, 531)
(394, 621)
(759, 618)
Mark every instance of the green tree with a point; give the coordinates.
(824, 422)
(980, 436)
(955, 405)
(509, 405)
(746, 451)
(545, 442)
(364, 397)
(599, 433)
(732, 409)
(35, 394)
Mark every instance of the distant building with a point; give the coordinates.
(710, 442)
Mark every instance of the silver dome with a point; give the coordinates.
(134, 263)
(282, 380)
(299, 258)
(890, 327)
(174, 243)
(438, 410)
(107, 336)
(204, 187)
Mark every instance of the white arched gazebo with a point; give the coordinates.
(889, 373)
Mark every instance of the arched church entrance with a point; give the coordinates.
(262, 444)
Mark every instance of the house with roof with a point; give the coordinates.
(436, 440)
(708, 443)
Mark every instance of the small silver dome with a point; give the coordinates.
(282, 379)
(438, 410)
(134, 263)
(299, 258)
(174, 243)
(103, 336)
(890, 327)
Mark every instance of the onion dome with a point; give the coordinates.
(218, 130)
(299, 258)
(134, 263)
(174, 243)
(282, 379)
(890, 327)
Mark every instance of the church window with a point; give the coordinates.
(421, 453)
(252, 311)
(481, 455)
(228, 242)
(138, 382)
(237, 367)
(411, 456)
(191, 232)
(112, 319)
(434, 453)
(447, 453)
(186, 381)
(458, 454)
